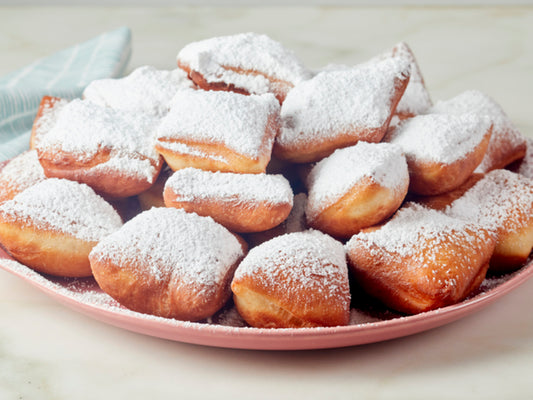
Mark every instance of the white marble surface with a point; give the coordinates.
(48, 351)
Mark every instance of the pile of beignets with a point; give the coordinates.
(243, 177)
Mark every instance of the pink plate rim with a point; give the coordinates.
(269, 339)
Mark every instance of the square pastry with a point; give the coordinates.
(219, 131)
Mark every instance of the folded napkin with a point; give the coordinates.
(64, 74)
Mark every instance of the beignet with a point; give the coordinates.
(442, 150)
(110, 150)
(145, 90)
(506, 143)
(169, 263)
(219, 131)
(293, 281)
(45, 117)
(356, 187)
(246, 63)
(421, 259)
(339, 108)
(240, 202)
(20, 173)
(53, 225)
(503, 202)
(416, 99)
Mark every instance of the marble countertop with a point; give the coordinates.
(48, 351)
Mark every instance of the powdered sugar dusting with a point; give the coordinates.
(438, 137)
(22, 172)
(84, 129)
(48, 118)
(415, 99)
(476, 102)
(502, 199)
(334, 176)
(191, 184)
(188, 150)
(67, 206)
(132, 166)
(412, 227)
(168, 241)
(146, 90)
(82, 290)
(305, 259)
(340, 101)
(216, 58)
(505, 136)
(233, 119)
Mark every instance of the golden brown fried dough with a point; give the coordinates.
(245, 63)
(421, 259)
(110, 150)
(20, 173)
(219, 131)
(503, 202)
(293, 281)
(240, 202)
(53, 225)
(442, 151)
(168, 263)
(339, 108)
(356, 187)
(506, 144)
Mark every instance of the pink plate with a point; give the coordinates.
(85, 296)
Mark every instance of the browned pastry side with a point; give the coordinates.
(412, 268)
(293, 281)
(433, 178)
(168, 263)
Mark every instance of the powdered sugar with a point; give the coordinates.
(232, 119)
(413, 227)
(506, 138)
(69, 207)
(48, 118)
(129, 166)
(335, 175)
(191, 184)
(309, 259)
(217, 58)
(476, 102)
(501, 200)
(145, 90)
(440, 138)
(22, 172)
(168, 241)
(84, 129)
(188, 150)
(415, 100)
(341, 101)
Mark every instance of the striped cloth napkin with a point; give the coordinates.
(64, 74)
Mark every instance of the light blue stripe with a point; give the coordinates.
(63, 74)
